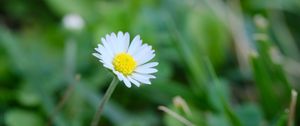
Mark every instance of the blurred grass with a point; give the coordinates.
(198, 46)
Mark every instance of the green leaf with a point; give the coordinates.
(263, 84)
(18, 117)
(282, 120)
(250, 114)
(221, 94)
(28, 97)
(217, 120)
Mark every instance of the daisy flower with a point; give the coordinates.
(129, 61)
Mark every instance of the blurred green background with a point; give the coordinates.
(233, 63)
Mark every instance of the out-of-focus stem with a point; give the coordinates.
(292, 108)
(63, 99)
(180, 102)
(283, 34)
(176, 116)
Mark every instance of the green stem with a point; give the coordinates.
(105, 98)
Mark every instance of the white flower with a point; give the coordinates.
(129, 61)
(73, 22)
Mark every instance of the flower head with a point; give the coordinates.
(73, 22)
(129, 61)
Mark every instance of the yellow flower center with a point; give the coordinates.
(124, 63)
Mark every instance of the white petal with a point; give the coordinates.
(119, 75)
(126, 81)
(100, 49)
(120, 35)
(109, 66)
(110, 39)
(144, 54)
(108, 47)
(97, 55)
(135, 44)
(149, 65)
(105, 61)
(103, 58)
(141, 78)
(145, 70)
(141, 51)
(133, 81)
(145, 59)
(103, 51)
(149, 76)
(115, 42)
(126, 40)
(120, 42)
(102, 62)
